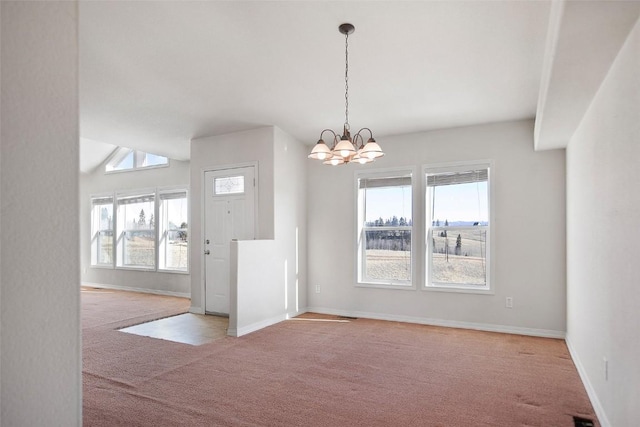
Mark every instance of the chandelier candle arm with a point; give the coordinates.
(345, 149)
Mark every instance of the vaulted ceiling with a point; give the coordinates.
(154, 75)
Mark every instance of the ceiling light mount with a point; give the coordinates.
(346, 29)
(346, 149)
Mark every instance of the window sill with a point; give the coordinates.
(407, 287)
(136, 268)
(161, 270)
(103, 266)
(459, 289)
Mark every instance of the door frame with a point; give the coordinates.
(203, 217)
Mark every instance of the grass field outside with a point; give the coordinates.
(388, 265)
(140, 251)
(464, 264)
(463, 270)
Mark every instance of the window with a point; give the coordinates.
(137, 217)
(126, 159)
(384, 228)
(228, 185)
(102, 231)
(458, 227)
(123, 160)
(136, 231)
(173, 237)
(147, 160)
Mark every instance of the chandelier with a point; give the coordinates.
(346, 149)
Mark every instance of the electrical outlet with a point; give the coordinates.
(509, 302)
(317, 289)
(605, 367)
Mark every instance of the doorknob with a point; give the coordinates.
(207, 252)
(207, 241)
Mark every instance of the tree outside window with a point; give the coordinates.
(385, 229)
(457, 253)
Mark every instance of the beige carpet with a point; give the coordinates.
(308, 373)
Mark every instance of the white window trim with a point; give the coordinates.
(157, 191)
(113, 225)
(165, 190)
(235, 193)
(118, 152)
(117, 156)
(489, 289)
(359, 249)
(127, 193)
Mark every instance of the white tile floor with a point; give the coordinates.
(188, 328)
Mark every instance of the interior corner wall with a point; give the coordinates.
(290, 186)
(40, 309)
(528, 234)
(257, 296)
(603, 241)
(96, 183)
(1, 139)
(208, 153)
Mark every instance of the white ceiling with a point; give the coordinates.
(584, 39)
(154, 75)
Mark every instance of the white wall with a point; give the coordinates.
(258, 294)
(290, 186)
(98, 182)
(268, 276)
(528, 233)
(1, 139)
(41, 344)
(218, 151)
(603, 241)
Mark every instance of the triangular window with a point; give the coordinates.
(127, 159)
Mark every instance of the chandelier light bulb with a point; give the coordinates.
(372, 150)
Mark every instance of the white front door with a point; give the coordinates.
(229, 214)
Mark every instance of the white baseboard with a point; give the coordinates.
(591, 392)
(132, 289)
(546, 333)
(256, 326)
(263, 324)
(196, 310)
(296, 313)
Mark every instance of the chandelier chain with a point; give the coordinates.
(346, 81)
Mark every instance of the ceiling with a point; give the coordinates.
(154, 75)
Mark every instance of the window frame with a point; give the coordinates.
(162, 227)
(156, 214)
(118, 256)
(231, 193)
(121, 153)
(94, 255)
(428, 284)
(360, 229)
